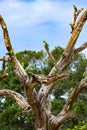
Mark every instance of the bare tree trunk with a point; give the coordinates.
(44, 124)
(39, 102)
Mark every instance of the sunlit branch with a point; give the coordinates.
(49, 53)
(82, 47)
(20, 100)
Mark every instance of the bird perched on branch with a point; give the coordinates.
(46, 45)
(72, 27)
(75, 8)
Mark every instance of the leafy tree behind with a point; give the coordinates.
(11, 117)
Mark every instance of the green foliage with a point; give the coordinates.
(32, 61)
(57, 105)
(55, 70)
(77, 68)
(56, 54)
(11, 51)
(12, 118)
(80, 126)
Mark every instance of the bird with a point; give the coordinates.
(75, 8)
(46, 45)
(72, 27)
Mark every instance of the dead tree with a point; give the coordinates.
(39, 102)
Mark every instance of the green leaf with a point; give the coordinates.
(28, 68)
(22, 64)
(11, 51)
(55, 70)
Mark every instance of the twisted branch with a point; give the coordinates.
(20, 100)
(67, 112)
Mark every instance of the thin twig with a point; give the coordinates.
(49, 53)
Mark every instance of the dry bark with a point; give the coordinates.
(39, 102)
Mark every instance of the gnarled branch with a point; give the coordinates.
(37, 100)
(20, 100)
(67, 112)
(6, 36)
(68, 53)
(19, 69)
(48, 79)
(23, 76)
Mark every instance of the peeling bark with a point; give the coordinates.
(39, 102)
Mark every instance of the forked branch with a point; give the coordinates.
(47, 80)
(64, 61)
(66, 58)
(69, 50)
(75, 16)
(67, 112)
(34, 97)
(19, 69)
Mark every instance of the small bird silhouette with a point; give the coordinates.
(75, 8)
(72, 27)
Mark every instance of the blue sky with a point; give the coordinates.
(30, 22)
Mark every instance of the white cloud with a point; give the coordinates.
(19, 13)
(29, 23)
